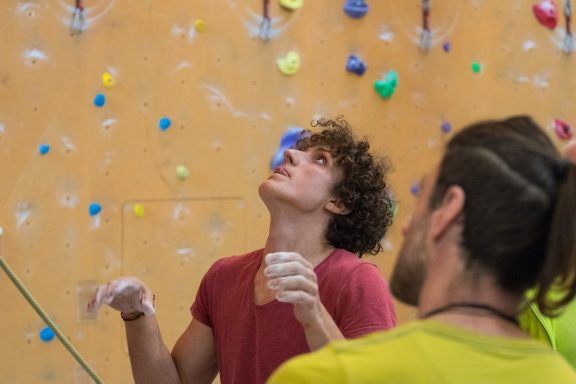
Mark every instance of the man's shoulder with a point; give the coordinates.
(360, 360)
(341, 263)
(330, 362)
(376, 340)
(231, 264)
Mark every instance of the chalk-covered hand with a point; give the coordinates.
(126, 294)
(294, 279)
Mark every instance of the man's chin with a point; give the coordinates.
(405, 290)
(405, 299)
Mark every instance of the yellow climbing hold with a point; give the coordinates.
(200, 25)
(289, 64)
(138, 210)
(182, 172)
(291, 4)
(108, 80)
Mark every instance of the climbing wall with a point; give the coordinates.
(134, 134)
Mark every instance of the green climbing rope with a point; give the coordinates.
(48, 320)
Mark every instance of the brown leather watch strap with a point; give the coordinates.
(131, 316)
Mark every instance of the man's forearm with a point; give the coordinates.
(150, 358)
(322, 331)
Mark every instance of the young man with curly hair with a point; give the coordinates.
(329, 204)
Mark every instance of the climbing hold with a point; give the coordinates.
(107, 80)
(387, 86)
(288, 140)
(355, 65)
(563, 130)
(291, 4)
(476, 67)
(138, 210)
(446, 127)
(99, 100)
(355, 8)
(182, 172)
(415, 189)
(164, 123)
(546, 13)
(46, 334)
(289, 64)
(200, 25)
(94, 209)
(447, 46)
(43, 149)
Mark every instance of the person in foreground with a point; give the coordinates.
(329, 204)
(559, 331)
(494, 219)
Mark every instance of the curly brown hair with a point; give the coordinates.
(362, 189)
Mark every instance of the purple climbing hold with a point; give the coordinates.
(446, 127)
(355, 65)
(447, 46)
(415, 189)
(289, 140)
(355, 8)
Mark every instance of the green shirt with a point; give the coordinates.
(429, 352)
(559, 332)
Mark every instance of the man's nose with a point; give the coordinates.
(291, 156)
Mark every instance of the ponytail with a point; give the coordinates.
(557, 282)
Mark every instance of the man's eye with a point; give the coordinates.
(322, 160)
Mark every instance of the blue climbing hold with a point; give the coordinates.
(446, 127)
(164, 123)
(355, 8)
(43, 149)
(46, 334)
(289, 140)
(355, 65)
(94, 209)
(99, 100)
(447, 46)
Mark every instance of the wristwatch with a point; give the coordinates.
(131, 316)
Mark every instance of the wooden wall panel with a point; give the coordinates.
(229, 106)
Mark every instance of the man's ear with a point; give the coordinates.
(337, 207)
(449, 212)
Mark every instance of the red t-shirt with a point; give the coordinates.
(253, 340)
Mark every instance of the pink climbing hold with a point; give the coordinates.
(546, 13)
(563, 130)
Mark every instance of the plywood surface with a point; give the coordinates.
(229, 106)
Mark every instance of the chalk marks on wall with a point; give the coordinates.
(217, 98)
(33, 56)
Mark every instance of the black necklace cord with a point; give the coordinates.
(485, 307)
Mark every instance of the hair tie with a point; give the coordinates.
(561, 169)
